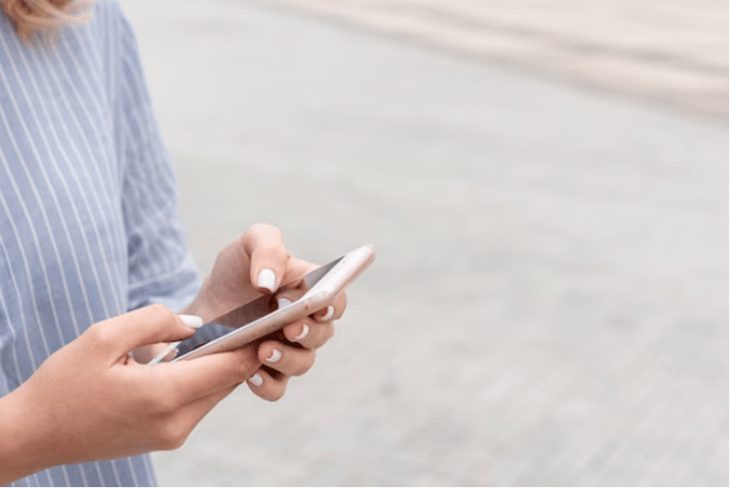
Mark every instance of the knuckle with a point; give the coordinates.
(274, 394)
(329, 332)
(102, 336)
(240, 244)
(172, 435)
(342, 305)
(305, 364)
(273, 389)
(264, 228)
(260, 233)
(241, 373)
(158, 312)
(244, 368)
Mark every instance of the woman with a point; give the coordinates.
(92, 261)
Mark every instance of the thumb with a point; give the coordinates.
(141, 327)
(268, 255)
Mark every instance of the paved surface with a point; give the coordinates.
(672, 52)
(550, 302)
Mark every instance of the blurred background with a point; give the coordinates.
(547, 186)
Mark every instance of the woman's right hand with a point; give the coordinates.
(91, 401)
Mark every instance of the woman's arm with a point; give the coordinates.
(91, 401)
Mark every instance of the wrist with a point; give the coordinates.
(201, 307)
(207, 304)
(23, 449)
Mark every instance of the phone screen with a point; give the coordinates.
(248, 313)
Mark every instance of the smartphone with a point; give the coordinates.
(262, 316)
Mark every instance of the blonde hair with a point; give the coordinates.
(42, 17)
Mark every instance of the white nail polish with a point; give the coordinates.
(305, 333)
(275, 356)
(282, 302)
(328, 315)
(256, 380)
(267, 279)
(191, 321)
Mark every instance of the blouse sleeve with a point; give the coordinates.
(160, 268)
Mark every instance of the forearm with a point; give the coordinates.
(23, 439)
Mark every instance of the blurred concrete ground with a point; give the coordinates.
(673, 52)
(550, 302)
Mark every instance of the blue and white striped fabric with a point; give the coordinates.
(88, 220)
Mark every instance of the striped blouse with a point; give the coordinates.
(88, 221)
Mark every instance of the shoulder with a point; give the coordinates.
(106, 20)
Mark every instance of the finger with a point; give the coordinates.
(141, 327)
(287, 360)
(326, 313)
(186, 381)
(266, 386)
(166, 351)
(263, 243)
(333, 311)
(296, 269)
(308, 333)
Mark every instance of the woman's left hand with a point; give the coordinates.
(255, 263)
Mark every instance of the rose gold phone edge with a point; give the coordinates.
(298, 309)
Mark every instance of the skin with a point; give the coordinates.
(91, 400)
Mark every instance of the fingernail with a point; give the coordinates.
(275, 356)
(267, 279)
(328, 315)
(305, 333)
(282, 302)
(256, 380)
(191, 321)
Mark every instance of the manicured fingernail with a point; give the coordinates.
(191, 321)
(267, 279)
(275, 356)
(328, 315)
(305, 333)
(283, 302)
(256, 380)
